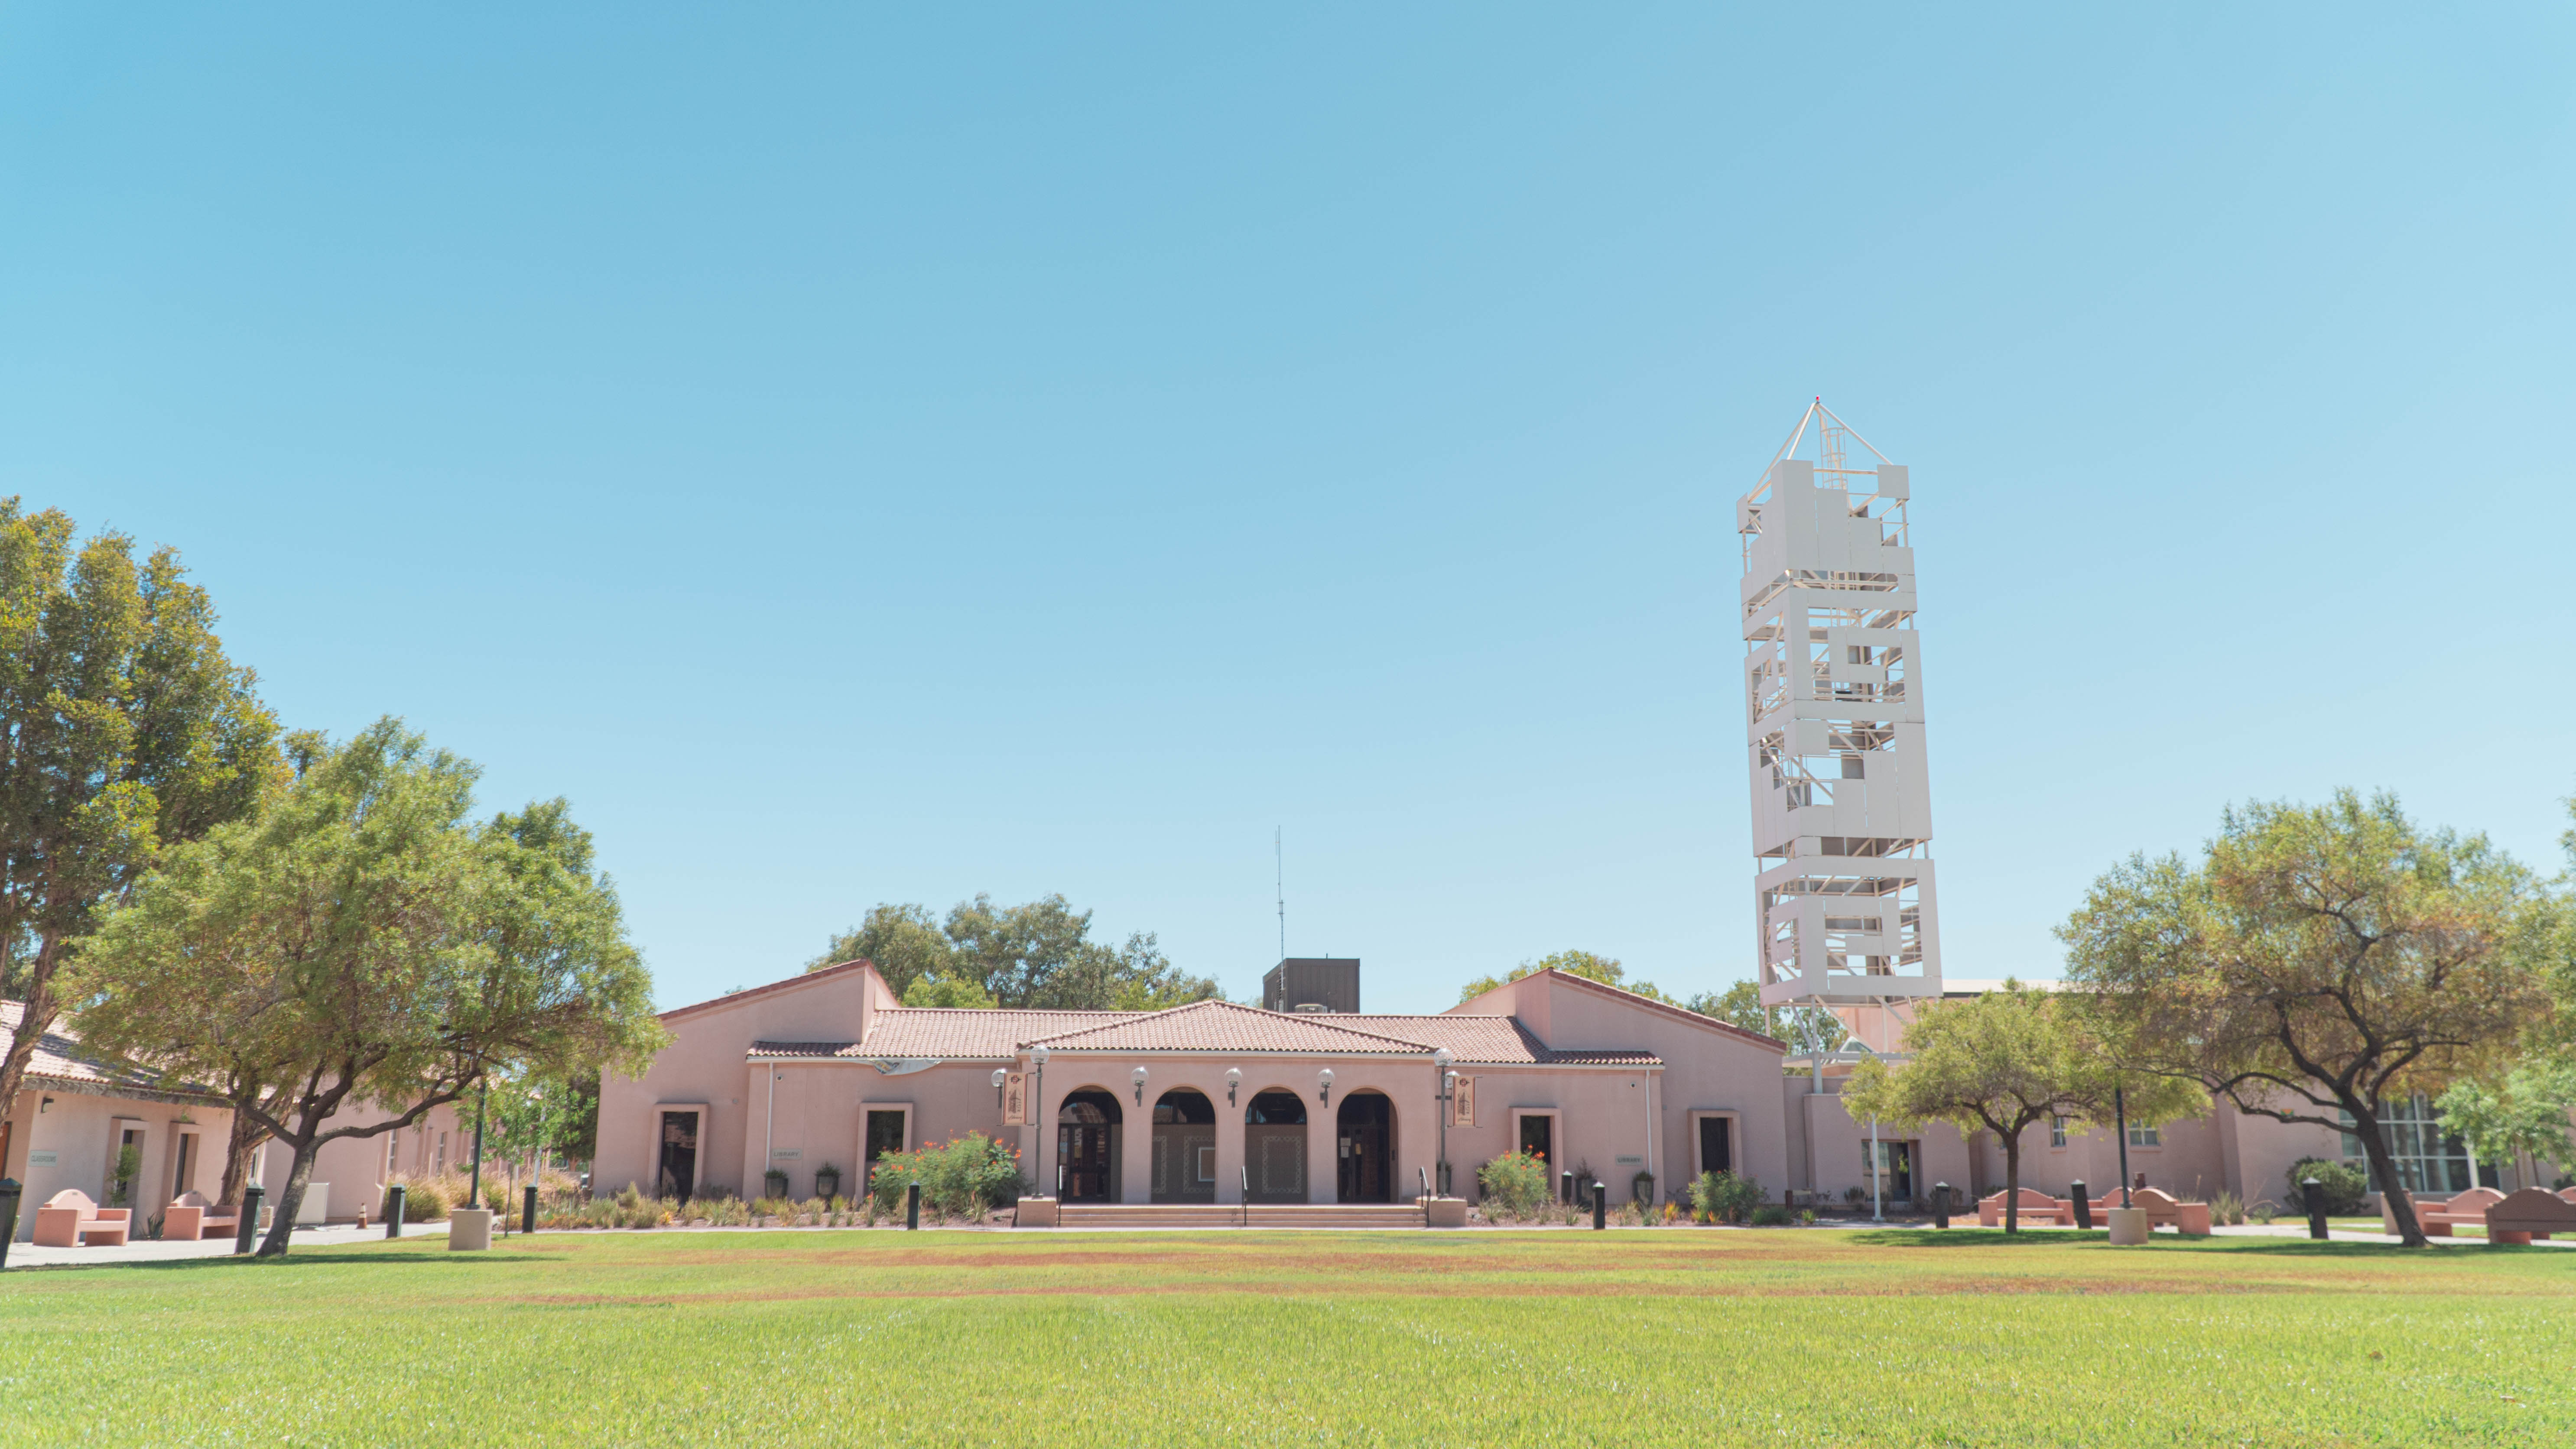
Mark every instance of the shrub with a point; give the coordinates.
(2227, 1208)
(424, 1200)
(2263, 1211)
(2344, 1186)
(964, 1177)
(1514, 1184)
(1771, 1215)
(1723, 1197)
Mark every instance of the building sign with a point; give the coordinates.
(1015, 1100)
(788, 1154)
(43, 1159)
(1466, 1103)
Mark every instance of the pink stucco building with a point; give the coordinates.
(1212, 1102)
(1221, 1103)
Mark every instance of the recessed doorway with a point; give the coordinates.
(1086, 1147)
(1365, 1127)
(1274, 1147)
(1184, 1147)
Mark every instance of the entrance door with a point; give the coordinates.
(1086, 1148)
(124, 1168)
(1537, 1138)
(1184, 1147)
(1895, 1170)
(1366, 1150)
(677, 1175)
(885, 1139)
(1716, 1145)
(1274, 1147)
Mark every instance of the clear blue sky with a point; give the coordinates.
(865, 458)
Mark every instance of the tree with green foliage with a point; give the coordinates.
(1586, 964)
(904, 943)
(362, 941)
(123, 728)
(2005, 1061)
(2522, 1109)
(1036, 955)
(1811, 1029)
(2317, 962)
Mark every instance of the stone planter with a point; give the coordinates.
(469, 1230)
(2128, 1227)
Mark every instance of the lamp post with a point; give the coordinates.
(2120, 1115)
(1447, 1082)
(1037, 1105)
(769, 1132)
(1877, 1212)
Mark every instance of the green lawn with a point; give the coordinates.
(1666, 1337)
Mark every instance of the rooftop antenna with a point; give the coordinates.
(1279, 878)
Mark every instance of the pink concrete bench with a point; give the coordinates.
(2164, 1210)
(192, 1218)
(2035, 1207)
(70, 1220)
(2437, 1216)
(2530, 1214)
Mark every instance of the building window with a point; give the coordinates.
(393, 1153)
(2056, 1131)
(2426, 1159)
(2143, 1134)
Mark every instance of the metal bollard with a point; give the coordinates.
(10, 1189)
(528, 1211)
(912, 1207)
(1941, 1205)
(249, 1228)
(2315, 1192)
(394, 1210)
(1600, 1207)
(1565, 1188)
(2083, 1204)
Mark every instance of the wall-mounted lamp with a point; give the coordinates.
(999, 1077)
(1324, 1087)
(44, 1106)
(1138, 1077)
(1233, 1079)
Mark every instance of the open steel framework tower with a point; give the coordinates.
(1833, 708)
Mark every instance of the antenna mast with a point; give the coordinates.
(1279, 877)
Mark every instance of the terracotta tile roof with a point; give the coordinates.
(1480, 1039)
(1222, 1026)
(918, 1031)
(59, 1058)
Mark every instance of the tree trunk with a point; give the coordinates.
(246, 1139)
(2401, 1206)
(290, 1200)
(2012, 1182)
(35, 1018)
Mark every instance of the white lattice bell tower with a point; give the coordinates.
(1833, 703)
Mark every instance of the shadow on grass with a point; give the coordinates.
(302, 1258)
(1997, 1238)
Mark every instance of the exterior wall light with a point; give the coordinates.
(1324, 1087)
(999, 1076)
(1138, 1077)
(1233, 1079)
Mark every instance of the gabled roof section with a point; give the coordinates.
(1665, 1008)
(1222, 1026)
(1483, 1040)
(974, 1032)
(736, 998)
(59, 1060)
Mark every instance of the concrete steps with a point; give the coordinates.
(1229, 1215)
